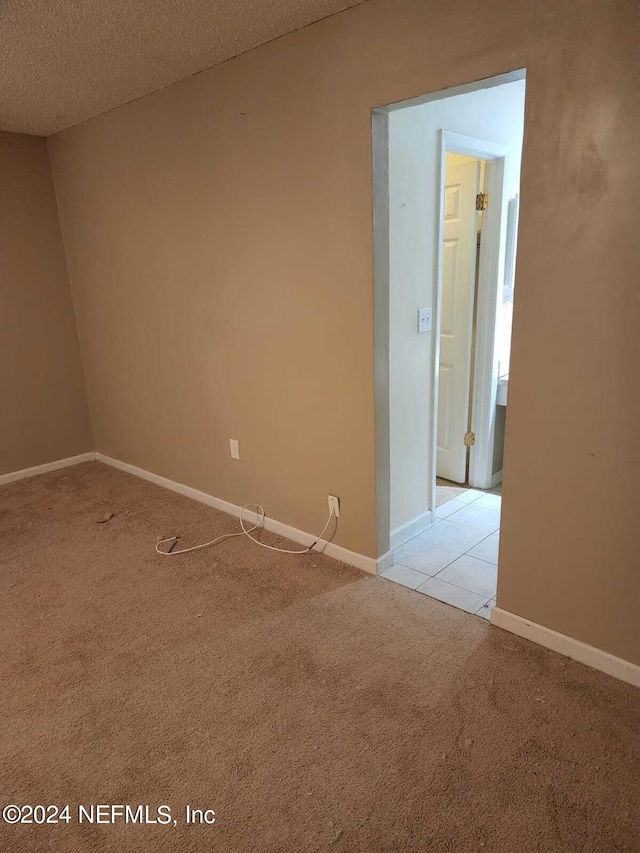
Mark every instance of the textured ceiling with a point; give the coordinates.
(64, 61)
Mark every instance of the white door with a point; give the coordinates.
(460, 222)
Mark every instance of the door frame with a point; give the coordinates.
(381, 287)
(485, 378)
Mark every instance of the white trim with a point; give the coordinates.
(407, 531)
(496, 479)
(453, 91)
(513, 213)
(385, 562)
(568, 646)
(360, 561)
(496, 157)
(490, 279)
(381, 329)
(491, 269)
(48, 466)
(441, 156)
(471, 146)
(490, 276)
(380, 200)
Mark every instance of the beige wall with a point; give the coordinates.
(219, 243)
(43, 416)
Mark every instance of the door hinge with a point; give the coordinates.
(482, 201)
(469, 439)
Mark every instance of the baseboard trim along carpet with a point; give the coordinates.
(344, 555)
(12, 476)
(567, 646)
(407, 531)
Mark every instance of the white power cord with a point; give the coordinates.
(260, 523)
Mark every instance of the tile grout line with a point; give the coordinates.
(464, 589)
(475, 530)
(459, 554)
(448, 566)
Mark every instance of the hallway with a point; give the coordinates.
(456, 559)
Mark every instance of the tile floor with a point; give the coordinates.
(456, 559)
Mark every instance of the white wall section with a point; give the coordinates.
(495, 114)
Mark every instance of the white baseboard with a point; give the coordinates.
(48, 466)
(360, 561)
(495, 479)
(567, 646)
(407, 531)
(385, 562)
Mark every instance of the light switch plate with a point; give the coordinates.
(424, 320)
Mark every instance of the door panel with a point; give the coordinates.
(460, 222)
(449, 275)
(444, 392)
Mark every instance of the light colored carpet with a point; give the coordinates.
(447, 491)
(313, 707)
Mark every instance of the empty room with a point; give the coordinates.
(319, 444)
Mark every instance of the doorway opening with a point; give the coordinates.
(446, 184)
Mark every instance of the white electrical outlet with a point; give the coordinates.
(334, 506)
(235, 448)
